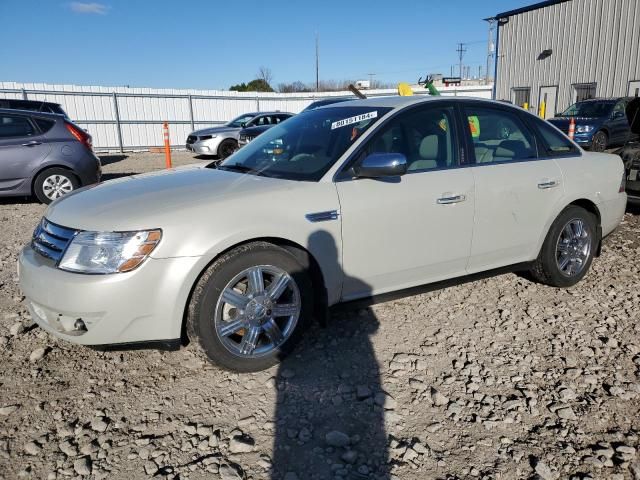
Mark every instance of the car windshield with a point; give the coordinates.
(588, 109)
(305, 146)
(237, 122)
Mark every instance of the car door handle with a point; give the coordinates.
(547, 184)
(451, 199)
(32, 143)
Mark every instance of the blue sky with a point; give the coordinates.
(214, 44)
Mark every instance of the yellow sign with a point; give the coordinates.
(404, 90)
(474, 126)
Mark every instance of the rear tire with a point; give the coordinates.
(226, 148)
(568, 249)
(53, 183)
(600, 141)
(240, 319)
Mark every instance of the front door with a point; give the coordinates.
(516, 191)
(415, 229)
(549, 96)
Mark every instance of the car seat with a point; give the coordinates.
(429, 153)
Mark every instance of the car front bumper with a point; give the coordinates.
(144, 305)
(204, 147)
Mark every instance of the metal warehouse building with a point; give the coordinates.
(562, 51)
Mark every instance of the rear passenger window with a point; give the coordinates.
(498, 136)
(14, 126)
(44, 125)
(555, 142)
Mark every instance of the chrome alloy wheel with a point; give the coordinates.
(55, 186)
(257, 311)
(573, 247)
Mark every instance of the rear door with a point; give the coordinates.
(517, 186)
(22, 147)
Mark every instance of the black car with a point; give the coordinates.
(326, 101)
(249, 133)
(630, 153)
(33, 106)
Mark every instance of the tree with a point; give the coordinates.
(257, 85)
(293, 87)
(265, 74)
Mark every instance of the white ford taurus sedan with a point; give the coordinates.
(347, 201)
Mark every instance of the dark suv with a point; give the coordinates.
(44, 154)
(600, 122)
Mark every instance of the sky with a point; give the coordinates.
(215, 44)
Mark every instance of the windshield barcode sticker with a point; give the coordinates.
(352, 120)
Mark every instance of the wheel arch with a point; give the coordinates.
(47, 167)
(302, 254)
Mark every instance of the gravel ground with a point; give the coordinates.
(495, 378)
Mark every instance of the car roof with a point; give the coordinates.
(397, 101)
(19, 101)
(31, 112)
(272, 113)
(604, 99)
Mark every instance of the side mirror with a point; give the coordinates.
(617, 115)
(377, 165)
(243, 124)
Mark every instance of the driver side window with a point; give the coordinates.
(425, 136)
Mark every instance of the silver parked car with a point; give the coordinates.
(223, 140)
(44, 155)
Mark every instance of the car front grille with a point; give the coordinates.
(191, 139)
(51, 240)
(248, 138)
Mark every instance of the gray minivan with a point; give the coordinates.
(44, 154)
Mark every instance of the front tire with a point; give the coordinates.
(53, 183)
(226, 148)
(600, 141)
(250, 307)
(568, 249)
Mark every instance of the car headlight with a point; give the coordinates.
(584, 128)
(109, 252)
(207, 137)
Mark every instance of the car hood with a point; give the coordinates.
(215, 130)
(156, 199)
(563, 122)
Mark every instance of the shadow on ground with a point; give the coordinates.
(330, 403)
(109, 159)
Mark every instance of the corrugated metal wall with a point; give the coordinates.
(141, 111)
(592, 41)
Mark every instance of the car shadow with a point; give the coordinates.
(633, 207)
(112, 176)
(329, 414)
(109, 159)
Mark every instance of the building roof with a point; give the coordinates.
(528, 8)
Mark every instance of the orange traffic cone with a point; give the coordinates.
(572, 128)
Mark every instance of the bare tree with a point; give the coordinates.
(265, 74)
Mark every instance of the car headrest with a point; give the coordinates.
(511, 149)
(429, 147)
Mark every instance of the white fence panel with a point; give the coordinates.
(122, 118)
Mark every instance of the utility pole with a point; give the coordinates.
(461, 51)
(490, 49)
(317, 65)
